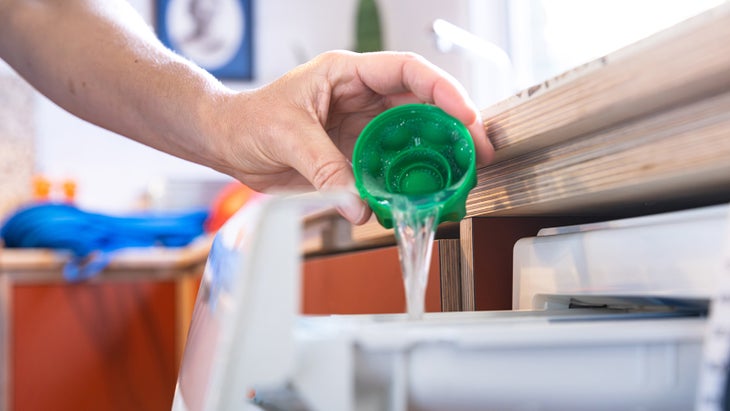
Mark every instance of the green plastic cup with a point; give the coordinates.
(416, 151)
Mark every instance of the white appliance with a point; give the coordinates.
(608, 316)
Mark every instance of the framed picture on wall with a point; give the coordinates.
(215, 34)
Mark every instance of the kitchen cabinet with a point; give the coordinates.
(111, 343)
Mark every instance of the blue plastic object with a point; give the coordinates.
(92, 237)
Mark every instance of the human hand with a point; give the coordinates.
(301, 129)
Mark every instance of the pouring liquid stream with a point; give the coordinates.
(415, 164)
(414, 231)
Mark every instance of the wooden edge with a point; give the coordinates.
(673, 156)
(148, 258)
(185, 289)
(466, 261)
(5, 341)
(450, 273)
(373, 233)
(330, 233)
(46, 266)
(326, 232)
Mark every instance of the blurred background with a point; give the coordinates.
(494, 47)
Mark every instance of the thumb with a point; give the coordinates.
(327, 169)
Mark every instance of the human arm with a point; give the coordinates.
(100, 61)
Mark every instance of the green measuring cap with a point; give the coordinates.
(417, 152)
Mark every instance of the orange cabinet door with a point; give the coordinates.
(93, 346)
(370, 281)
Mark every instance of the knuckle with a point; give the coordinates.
(326, 174)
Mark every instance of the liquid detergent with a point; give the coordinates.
(415, 165)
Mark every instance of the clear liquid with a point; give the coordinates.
(414, 233)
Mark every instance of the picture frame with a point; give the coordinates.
(217, 35)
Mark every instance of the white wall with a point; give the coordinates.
(113, 172)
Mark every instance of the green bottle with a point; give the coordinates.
(419, 153)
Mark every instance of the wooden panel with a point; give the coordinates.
(363, 282)
(5, 355)
(93, 346)
(186, 294)
(681, 64)
(449, 257)
(674, 159)
(467, 248)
